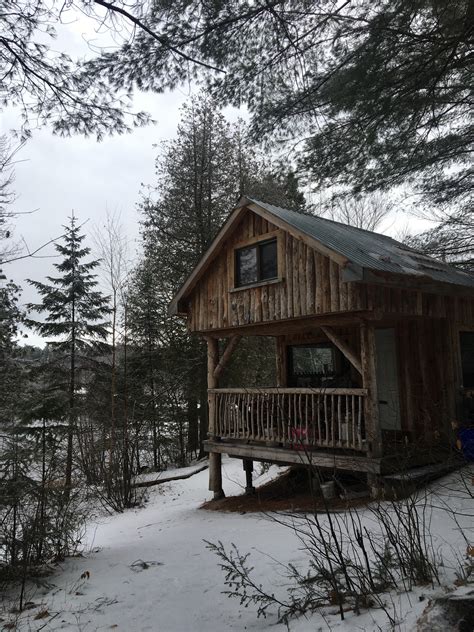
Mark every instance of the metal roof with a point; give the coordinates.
(370, 250)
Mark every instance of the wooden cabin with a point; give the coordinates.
(374, 344)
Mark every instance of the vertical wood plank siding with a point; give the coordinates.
(310, 284)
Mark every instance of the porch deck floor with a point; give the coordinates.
(286, 456)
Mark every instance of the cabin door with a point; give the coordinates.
(387, 379)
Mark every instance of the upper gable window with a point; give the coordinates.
(256, 263)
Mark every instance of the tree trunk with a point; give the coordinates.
(72, 394)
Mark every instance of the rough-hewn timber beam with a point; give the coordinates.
(320, 458)
(229, 350)
(343, 348)
(293, 325)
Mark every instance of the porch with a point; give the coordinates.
(296, 418)
(320, 426)
(319, 413)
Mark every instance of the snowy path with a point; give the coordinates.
(180, 590)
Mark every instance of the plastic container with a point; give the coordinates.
(328, 490)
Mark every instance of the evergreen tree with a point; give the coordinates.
(197, 182)
(145, 318)
(378, 93)
(11, 372)
(74, 310)
(369, 94)
(199, 178)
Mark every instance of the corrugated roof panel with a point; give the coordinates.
(371, 250)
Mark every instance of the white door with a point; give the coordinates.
(387, 379)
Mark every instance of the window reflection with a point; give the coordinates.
(247, 266)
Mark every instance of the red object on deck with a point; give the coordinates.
(300, 438)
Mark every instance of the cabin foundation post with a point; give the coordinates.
(248, 467)
(371, 408)
(215, 459)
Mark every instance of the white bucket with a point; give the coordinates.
(328, 490)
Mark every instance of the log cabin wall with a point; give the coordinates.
(429, 376)
(308, 284)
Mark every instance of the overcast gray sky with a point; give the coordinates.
(56, 175)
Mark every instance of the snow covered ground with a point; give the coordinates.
(149, 570)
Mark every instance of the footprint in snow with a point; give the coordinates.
(141, 565)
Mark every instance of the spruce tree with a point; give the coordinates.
(74, 310)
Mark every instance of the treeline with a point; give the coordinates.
(120, 387)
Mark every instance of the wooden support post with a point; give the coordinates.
(248, 467)
(343, 348)
(371, 405)
(215, 459)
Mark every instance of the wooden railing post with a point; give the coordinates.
(215, 459)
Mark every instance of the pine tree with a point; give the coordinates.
(145, 318)
(369, 95)
(200, 176)
(11, 374)
(74, 310)
(197, 183)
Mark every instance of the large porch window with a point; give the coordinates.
(317, 365)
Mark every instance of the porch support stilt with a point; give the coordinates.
(248, 467)
(215, 459)
(215, 475)
(371, 406)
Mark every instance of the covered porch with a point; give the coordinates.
(322, 411)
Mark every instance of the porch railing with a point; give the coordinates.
(302, 418)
